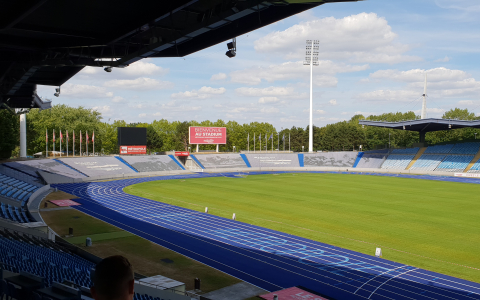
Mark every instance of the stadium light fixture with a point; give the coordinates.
(57, 92)
(449, 125)
(108, 69)
(311, 58)
(403, 127)
(232, 48)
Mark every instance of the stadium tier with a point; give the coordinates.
(475, 168)
(151, 163)
(465, 148)
(216, 161)
(454, 163)
(428, 162)
(15, 189)
(265, 160)
(98, 165)
(397, 161)
(48, 165)
(13, 213)
(371, 161)
(406, 151)
(330, 159)
(439, 149)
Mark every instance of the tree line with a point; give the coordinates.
(164, 135)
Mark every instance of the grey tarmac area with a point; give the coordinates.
(239, 291)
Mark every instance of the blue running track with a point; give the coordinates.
(266, 258)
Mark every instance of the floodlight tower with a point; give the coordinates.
(424, 106)
(311, 58)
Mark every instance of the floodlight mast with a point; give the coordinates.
(424, 106)
(311, 58)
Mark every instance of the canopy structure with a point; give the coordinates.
(47, 42)
(424, 125)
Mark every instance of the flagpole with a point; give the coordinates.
(93, 140)
(266, 143)
(67, 143)
(61, 138)
(289, 142)
(54, 143)
(46, 143)
(80, 143)
(86, 141)
(73, 144)
(272, 142)
(260, 139)
(254, 142)
(278, 141)
(248, 141)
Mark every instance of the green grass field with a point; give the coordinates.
(428, 224)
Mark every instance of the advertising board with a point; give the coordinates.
(207, 135)
(127, 150)
(182, 153)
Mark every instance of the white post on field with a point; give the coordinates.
(311, 58)
(197, 148)
(248, 142)
(217, 148)
(23, 135)
(254, 142)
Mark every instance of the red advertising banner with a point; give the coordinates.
(208, 135)
(133, 150)
(182, 153)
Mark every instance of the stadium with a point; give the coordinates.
(212, 220)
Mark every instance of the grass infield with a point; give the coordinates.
(429, 224)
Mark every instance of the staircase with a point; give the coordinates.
(474, 160)
(417, 156)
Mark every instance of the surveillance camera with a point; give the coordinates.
(57, 90)
(230, 53)
(56, 94)
(108, 69)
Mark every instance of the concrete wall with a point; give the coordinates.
(273, 160)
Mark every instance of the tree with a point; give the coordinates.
(459, 114)
(181, 136)
(9, 132)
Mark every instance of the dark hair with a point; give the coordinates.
(112, 276)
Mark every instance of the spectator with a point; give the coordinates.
(113, 279)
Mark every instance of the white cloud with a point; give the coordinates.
(418, 75)
(293, 70)
(142, 115)
(315, 111)
(269, 110)
(389, 95)
(203, 93)
(365, 37)
(118, 99)
(464, 5)
(269, 91)
(264, 100)
(445, 59)
(84, 91)
(219, 76)
(142, 68)
(333, 102)
(465, 102)
(141, 83)
(105, 110)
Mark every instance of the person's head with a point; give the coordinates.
(113, 279)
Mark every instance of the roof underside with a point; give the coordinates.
(48, 41)
(424, 125)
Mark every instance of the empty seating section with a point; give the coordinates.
(330, 159)
(16, 189)
(98, 166)
(213, 161)
(379, 151)
(475, 168)
(397, 161)
(13, 213)
(152, 163)
(428, 162)
(372, 161)
(439, 149)
(454, 163)
(43, 258)
(465, 148)
(406, 151)
(48, 165)
(265, 160)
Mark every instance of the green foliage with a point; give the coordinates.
(163, 135)
(9, 133)
(368, 212)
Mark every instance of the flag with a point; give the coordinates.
(260, 137)
(283, 138)
(46, 135)
(80, 137)
(61, 136)
(271, 137)
(86, 137)
(67, 136)
(74, 137)
(54, 136)
(93, 137)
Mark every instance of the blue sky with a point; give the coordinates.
(373, 58)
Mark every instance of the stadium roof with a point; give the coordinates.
(47, 42)
(424, 125)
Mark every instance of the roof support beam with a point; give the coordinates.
(22, 13)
